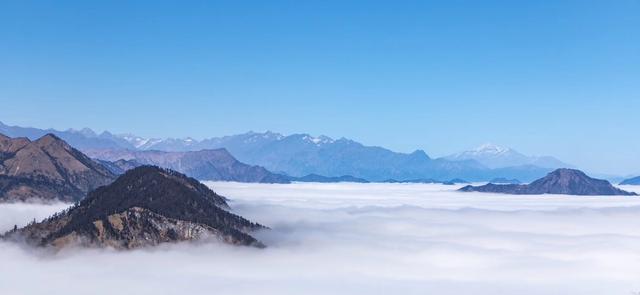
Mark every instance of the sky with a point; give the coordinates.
(544, 77)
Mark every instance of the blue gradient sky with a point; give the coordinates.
(544, 77)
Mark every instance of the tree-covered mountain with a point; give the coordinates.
(47, 169)
(145, 206)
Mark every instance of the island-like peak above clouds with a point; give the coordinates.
(560, 181)
(144, 207)
(495, 156)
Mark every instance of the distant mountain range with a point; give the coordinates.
(560, 181)
(214, 165)
(299, 155)
(144, 207)
(631, 181)
(325, 179)
(494, 156)
(47, 169)
(501, 180)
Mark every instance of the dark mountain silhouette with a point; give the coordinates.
(145, 206)
(325, 179)
(631, 181)
(47, 169)
(203, 165)
(560, 181)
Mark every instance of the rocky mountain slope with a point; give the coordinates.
(204, 165)
(145, 206)
(47, 169)
(560, 181)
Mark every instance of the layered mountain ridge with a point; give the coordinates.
(216, 165)
(299, 155)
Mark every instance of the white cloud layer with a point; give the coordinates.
(363, 239)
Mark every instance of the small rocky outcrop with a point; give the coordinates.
(145, 206)
(560, 181)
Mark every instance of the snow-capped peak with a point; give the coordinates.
(490, 148)
(318, 140)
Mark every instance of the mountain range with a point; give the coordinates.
(299, 155)
(561, 181)
(145, 206)
(47, 169)
(217, 165)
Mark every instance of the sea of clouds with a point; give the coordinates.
(362, 239)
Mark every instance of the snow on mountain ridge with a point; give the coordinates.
(495, 156)
(490, 148)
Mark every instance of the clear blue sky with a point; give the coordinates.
(545, 77)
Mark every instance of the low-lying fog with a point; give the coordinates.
(363, 239)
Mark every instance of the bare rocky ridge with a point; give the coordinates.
(145, 206)
(560, 181)
(47, 169)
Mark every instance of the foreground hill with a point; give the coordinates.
(145, 206)
(560, 181)
(631, 181)
(204, 165)
(47, 169)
